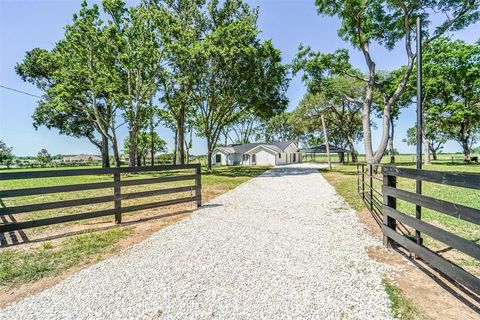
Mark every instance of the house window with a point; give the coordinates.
(218, 158)
(279, 156)
(254, 158)
(294, 157)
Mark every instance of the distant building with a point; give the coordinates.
(82, 158)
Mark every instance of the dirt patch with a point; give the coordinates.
(433, 295)
(143, 223)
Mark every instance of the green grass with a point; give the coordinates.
(343, 178)
(402, 307)
(19, 266)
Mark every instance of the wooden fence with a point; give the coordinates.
(394, 222)
(116, 197)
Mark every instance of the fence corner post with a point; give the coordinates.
(388, 201)
(117, 192)
(198, 185)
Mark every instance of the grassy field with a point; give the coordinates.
(19, 264)
(443, 158)
(343, 178)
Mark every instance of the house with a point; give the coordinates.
(82, 158)
(266, 154)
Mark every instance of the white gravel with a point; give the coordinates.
(281, 246)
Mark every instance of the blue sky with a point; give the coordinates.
(25, 25)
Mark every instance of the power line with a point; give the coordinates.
(18, 91)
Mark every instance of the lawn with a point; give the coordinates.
(30, 262)
(343, 178)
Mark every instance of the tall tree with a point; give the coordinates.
(77, 77)
(237, 73)
(342, 117)
(138, 57)
(383, 23)
(179, 26)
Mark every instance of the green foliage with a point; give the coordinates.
(342, 117)
(44, 157)
(278, 128)
(6, 154)
(145, 144)
(383, 23)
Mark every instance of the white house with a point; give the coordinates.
(266, 154)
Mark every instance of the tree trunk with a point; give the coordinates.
(132, 152)
(434, 153)
(209, 155)
(152, 143)
(175, 147)
(427, 151)
(390, 142)
(116, 154)
(139, 160)
(353, 152)
(180, 139)
(105, 154)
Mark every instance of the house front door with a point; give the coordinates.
(254, 159)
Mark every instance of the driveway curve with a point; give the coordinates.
(283, 245)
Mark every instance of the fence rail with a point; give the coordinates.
(116, 197)
(395, 224)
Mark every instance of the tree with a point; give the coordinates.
(179, 27)
(452, 90)
(431, 133)
(6, 154)
(245, 129)
(236, 73)
(138, 58)
(383, 23)
(343, 118)
(147, 143)
(278, 128)
(77, 78)
(44, 157)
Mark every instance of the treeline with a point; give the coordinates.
(351, 99)
(186, 64)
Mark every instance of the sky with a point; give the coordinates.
(25, 25)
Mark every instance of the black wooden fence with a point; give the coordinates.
(178, 173)
(394, 222)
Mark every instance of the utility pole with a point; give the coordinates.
(418, 209)
(326, 142)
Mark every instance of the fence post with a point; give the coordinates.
(117, 191)
(389, 222)
(358, 179)
(198, 185)
(370, 169)
(363, 181)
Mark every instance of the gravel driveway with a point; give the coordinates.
(281, 246)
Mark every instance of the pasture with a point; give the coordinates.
(32, 254)
(344, 179)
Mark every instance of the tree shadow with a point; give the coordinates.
(66, 234)
(445, 282)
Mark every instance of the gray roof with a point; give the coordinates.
(322, 149)
(278, 146)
